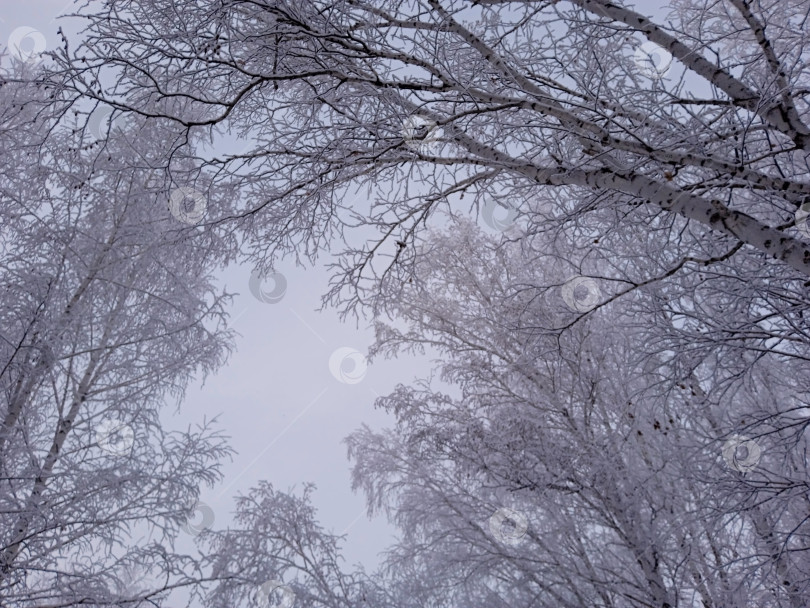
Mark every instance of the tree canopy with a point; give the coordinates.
(593, 215)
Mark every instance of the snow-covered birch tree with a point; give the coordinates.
(568, 469)
(109, 309)
(669, 148)
(696, 111)
(277, 554)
